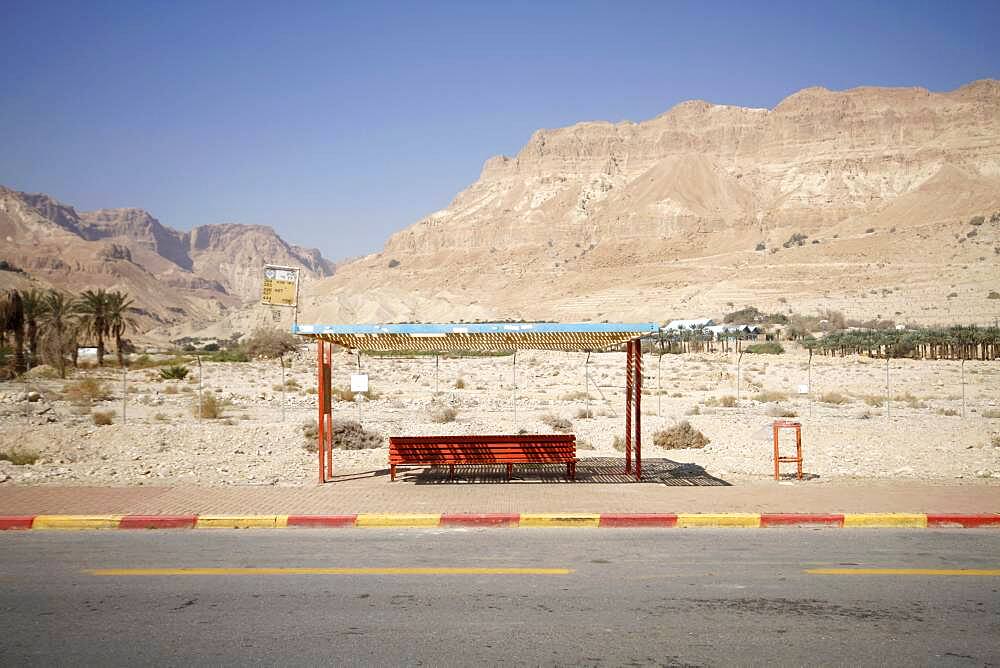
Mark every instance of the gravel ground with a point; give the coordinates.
(924, 436)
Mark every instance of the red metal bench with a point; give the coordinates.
(495, 449)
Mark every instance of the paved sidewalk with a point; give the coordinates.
(375, 494)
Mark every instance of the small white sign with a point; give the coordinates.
(86, 354)
(803, 389)
(359, 382)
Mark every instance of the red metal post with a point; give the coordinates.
(638, 409)
(321, 412)
(628, 407)
(328, 392)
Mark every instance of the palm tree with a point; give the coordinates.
(34, 306)
(12, 320)
(92, 307)
(119, 322)
(59, 327)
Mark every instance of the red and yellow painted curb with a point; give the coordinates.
(540, 520)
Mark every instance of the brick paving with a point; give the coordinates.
(373, 493)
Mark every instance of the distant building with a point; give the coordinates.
(682, 325)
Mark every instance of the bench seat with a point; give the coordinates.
(483, 450)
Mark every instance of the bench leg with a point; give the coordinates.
(451, 471)
(510, 471)
(392, 471)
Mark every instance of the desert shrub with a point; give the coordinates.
(770, 396)
(237, 354)
(680, 436)
(910, 400)
(174, 372)
(835, 398)
(292, 384)
(760, 246)
(161, 417)
(103, 418)
(618, 443)
(576, 395)
(993, 295)
(557, 423)
(780, 411)
(950, 412)
(341, 394)
(875, 401)
(584, 414)
(584, 444)
(869, 230)
(991, 413)
(694, 410)
(350, 435)
(441, 413)
(270, 343)
(995, 440)
(976, 221)
(797, 239)
(310, 432)
(211, 407)
(19, 457)
(767, 348)
(460, 384)
(727, 401)
(393, 263)
(86, 391)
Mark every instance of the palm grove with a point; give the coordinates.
(49, 326)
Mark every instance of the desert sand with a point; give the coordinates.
(924, 435)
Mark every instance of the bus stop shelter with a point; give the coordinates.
(483, 338)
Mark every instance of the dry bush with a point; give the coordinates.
(910, 400)
(780, 411)
(86, 391)
(310, 434)
(835, 398)
(584, 414)
(995, 440)
(341, 394)
(557, 423)
(170, 389)
(875, 401)
(991, 413)
(211, 407)
(727, 401)
(161, 417)
(576, 395)
(19, 457)
(680, 436)
(103, 418)
(270, 343)
(950, 412)
(441, 414)
(770, 396)
(584, 444)
(694, 410)
(460, 384)
(618, 443)
(350, 435)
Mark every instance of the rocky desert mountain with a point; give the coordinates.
(183, 280)
(857, 200)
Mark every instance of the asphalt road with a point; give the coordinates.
(617, 597)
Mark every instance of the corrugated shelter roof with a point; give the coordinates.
(485, 337)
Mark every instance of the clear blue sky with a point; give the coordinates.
(339, 123)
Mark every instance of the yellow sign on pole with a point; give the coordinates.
(280, 287)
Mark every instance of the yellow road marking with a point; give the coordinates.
(328, 571)
(397, 520)
(995, 572)
(744, 520)
(911, 520)
(241, 521)
(560, 520)
(76, 522)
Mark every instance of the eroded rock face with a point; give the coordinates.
(645, 219)
(207, 271)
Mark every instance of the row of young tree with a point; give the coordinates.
(949, 343)
(50, 325)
